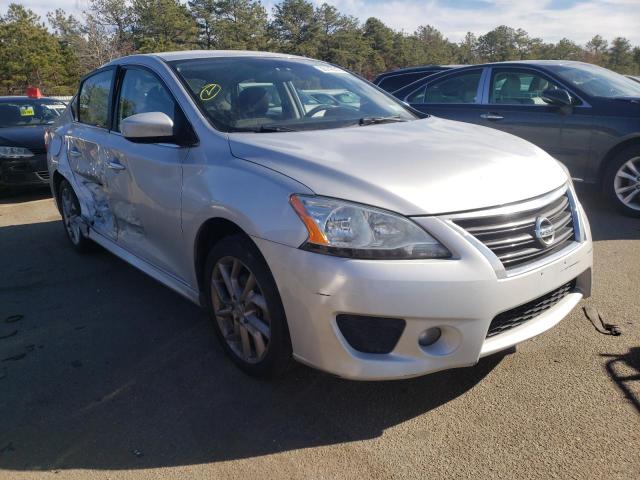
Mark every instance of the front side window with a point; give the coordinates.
(262, 94)
(24, 112)
(460, 88)
(518, 87)
(143, 92)
(93, 104)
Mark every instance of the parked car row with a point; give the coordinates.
(346, 232)
(585, 116)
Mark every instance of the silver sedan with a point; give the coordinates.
(357, 237)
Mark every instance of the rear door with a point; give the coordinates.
(455, 96)
(146, 178)
(85, 143)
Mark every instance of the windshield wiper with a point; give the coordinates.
(375, 120)
(265, 129)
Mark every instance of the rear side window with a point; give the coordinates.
(396, 82)
(143, 92)
(460, 88)
(93, 104)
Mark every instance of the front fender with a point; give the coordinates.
(253, 197)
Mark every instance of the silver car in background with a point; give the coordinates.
(354, 237)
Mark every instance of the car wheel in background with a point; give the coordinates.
(622, 181)
(70, 208)
(246, 309)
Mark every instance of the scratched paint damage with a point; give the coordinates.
(92, 185)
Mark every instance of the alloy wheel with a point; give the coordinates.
(70, 215)
(241, 309)
(626, 183)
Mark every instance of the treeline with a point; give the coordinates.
(55, 54)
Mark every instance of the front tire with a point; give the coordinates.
(71, 219)
(245, 307)
(622, 181)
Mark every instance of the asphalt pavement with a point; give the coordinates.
(105, 373)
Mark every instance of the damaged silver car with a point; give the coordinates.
(351, 234)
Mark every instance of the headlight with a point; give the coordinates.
(350, 230)
(15, 152)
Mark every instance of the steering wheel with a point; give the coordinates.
(321, 108)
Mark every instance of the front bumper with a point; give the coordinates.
(24, 171)
(460, 296)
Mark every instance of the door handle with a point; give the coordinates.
(117, 166)
(491, 116)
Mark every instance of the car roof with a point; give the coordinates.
(197, 54)
(418, 69)
(540, 63)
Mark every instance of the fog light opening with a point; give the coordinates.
(429, 336)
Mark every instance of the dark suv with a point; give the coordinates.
(585, 116)
(392, 81)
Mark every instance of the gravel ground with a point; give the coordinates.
(111, 375)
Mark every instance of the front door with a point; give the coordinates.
(146, 178)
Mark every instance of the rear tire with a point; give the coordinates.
(245, 307)
(621, 182)
(70, 209)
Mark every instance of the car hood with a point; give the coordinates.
(31, 137)
(421, 167)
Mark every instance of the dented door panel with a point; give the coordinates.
(86, 155)
(145, 198)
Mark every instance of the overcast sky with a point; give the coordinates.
(551, 20)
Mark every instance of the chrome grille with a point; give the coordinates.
(43, 174)
(512, 237)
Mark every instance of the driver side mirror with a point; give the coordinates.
(149, 127)
(557, 97)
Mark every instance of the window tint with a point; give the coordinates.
(513, 87)
(143, 92)
(94, 99)
(461, 88)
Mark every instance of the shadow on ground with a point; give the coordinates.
(606, 222)
(624, 370)
(21, 195)
(101, 367)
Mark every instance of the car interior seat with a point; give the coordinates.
(252, 102)
(510, 91)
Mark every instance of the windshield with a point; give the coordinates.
(280, 94)
(597, 81)
(22, 112)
